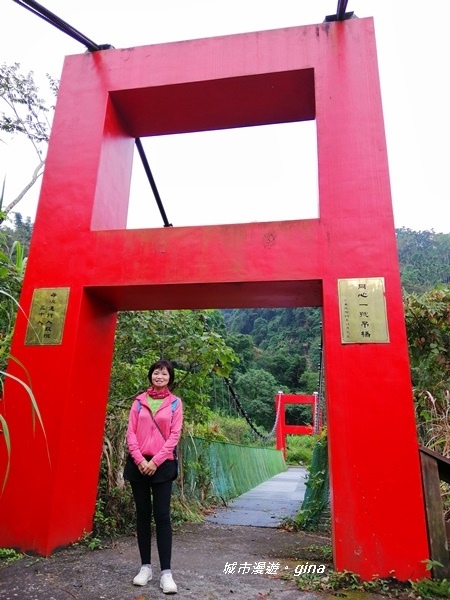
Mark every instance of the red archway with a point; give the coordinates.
(83, 262)
(283, 429)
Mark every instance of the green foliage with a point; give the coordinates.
(299, 449)
(233, 429)
(317, 487)
(206, 431)
(433, 421)
(114, 508)
(225, 428)
(185, 509)
(288, 330)
(188, 338)
(90, 541)
(7, 555)
(256, 390)
(424, 258)
(285, 366)
(12, 266)
(199, 354)
(18, 230)
(432, 588)
(202, 479)
(316, 552)
(428, 329)
(24, 112)
(280, 349)
(244, 347)
(353, 585)
(309, 382)
(106, 523)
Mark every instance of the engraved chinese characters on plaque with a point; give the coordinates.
(362, 306)
(47, 316)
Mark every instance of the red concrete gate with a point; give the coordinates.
(283, 429)
(84, 267)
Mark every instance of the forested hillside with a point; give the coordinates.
(424, 260)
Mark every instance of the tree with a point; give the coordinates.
(286, 367)
(424, 258)
(187, 337)
(244, 347)
(24, 112)
(20, 232)
(428, 328)
(256, 390)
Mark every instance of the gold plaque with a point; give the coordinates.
(47, 316)
(362, 307)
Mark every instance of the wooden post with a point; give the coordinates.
(437, 537)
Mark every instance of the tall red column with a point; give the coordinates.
(327, 72)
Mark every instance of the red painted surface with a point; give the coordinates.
(282, 429)
(327, 72)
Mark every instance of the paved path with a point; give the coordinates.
(201, 552)
(267, 504)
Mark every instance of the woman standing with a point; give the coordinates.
(154, 428)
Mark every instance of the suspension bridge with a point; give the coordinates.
(268, 504)
(345, 262)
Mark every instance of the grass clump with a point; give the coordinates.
(300, 449)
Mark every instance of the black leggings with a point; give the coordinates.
(153, 499)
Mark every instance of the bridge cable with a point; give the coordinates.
(340, 15)
(321, 391)
(340, 11)
(49, 17)
(243, 412)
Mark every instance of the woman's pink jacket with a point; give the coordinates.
(143, 437)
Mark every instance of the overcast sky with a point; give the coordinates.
(253, 174)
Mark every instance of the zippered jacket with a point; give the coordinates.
(143, 436)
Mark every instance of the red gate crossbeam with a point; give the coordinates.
(281, 400)
(166, 249)
(298, 429)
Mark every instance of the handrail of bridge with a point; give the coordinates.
(436, 468)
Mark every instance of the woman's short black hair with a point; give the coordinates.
(160, 364)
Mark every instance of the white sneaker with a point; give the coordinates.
(144, 576)
(167, 584)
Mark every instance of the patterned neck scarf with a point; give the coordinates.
(158, 395)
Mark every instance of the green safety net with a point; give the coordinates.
(315, 505)
(225, 470)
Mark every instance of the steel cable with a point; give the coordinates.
(49, 17)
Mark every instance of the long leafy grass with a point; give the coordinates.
(12, 268)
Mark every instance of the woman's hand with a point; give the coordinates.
(147, 467)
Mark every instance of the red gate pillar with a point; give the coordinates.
(327, 72)
(280, 438)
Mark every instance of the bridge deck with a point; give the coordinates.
(267, 504)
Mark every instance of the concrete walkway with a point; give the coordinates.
(200, 556)
(267, 504)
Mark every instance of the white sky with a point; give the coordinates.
(256, 174)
